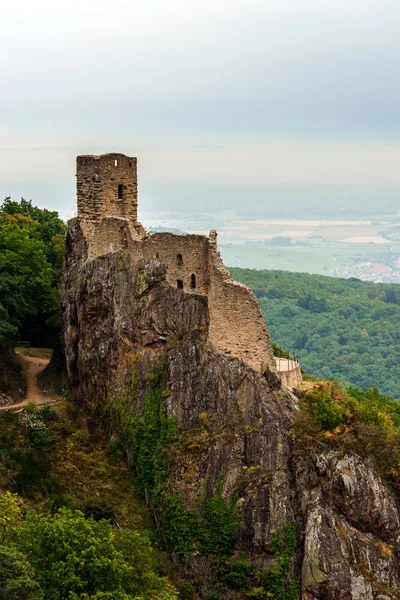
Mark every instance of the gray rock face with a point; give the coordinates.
(351, 534)
(234, 427)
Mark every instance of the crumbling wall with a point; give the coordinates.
(106, 186)
(237, 326)
(114, 234)
(185, 257)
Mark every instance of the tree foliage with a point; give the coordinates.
(76, 557)
(10, 515)
(17, 577)
(31, 258)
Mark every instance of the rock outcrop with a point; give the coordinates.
(233, 435)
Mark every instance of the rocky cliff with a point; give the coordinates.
(242, 511)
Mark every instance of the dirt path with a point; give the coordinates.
(31, 367)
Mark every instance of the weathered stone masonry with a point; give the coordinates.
(107, 214)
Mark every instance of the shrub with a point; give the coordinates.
(46, 413)
(179, 526)
(218, 526)
(329, 405)
(234, 572)
(276, 580)
(363, 421)
(186, 590)
(10, 514)
(37, 430)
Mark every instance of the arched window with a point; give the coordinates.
(120, 192)
(179, 260)
(193, 281)
(179, 284)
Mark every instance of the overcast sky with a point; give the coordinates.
(222, 92)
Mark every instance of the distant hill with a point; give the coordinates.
(342, 329)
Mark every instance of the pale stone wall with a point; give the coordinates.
(237, 326)
(289, 371)
(183, 256)
(112, 235)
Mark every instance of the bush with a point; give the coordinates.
(10, 515)
(37, 430)
(326, 411)
(46, 413)
(186, 590)
(276, 580)
(218, 526)
(234, 572)
(179, 526)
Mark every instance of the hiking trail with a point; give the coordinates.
(32, 366)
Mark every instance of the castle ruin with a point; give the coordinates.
(107, 213)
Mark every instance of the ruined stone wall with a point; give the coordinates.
(237, 326)
(114, 234)
(106, 186)
(184, 256)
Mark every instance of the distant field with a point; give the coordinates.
(296, 258)
(337, 247)
(256, 230)
(324, 260)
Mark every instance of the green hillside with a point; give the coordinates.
(342, 329)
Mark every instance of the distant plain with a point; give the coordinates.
(368, 249)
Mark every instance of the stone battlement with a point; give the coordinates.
(107, 214)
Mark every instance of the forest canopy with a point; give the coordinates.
(31, 259)
(343, 329)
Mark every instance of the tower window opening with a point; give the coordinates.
(179, 284)
(179, 260)
(115, 163)
(120, 192)
(130, 164)
(193, 281)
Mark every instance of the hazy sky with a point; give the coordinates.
(217, 93)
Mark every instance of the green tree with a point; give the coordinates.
(17, 578)
(71, 554)
(31, 260)
(75, 558)
(25, 274)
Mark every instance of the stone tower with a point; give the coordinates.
(106, 186)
